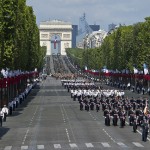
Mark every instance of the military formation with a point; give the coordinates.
(116, 108)
(60, 70)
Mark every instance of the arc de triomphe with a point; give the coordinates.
(56, 36)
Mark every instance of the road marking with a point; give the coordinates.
(56, 90)
(137, 144)
(68, 135)
(88, 145)
(40, 146)
(24, 139)
(73, 145)
(105, 144)
(24, 147)
(8, 148)
(121, 144)
(57, 146)
(109, 135)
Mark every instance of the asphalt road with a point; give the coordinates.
(49, 119)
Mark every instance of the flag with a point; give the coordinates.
(55, 41)
(145, 67)
(85, 67)
(135, 70)
(145, 109)
(105, 70)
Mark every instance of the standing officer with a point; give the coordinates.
(1, 118)
(145, 128)
(10, 105)
(5, 111)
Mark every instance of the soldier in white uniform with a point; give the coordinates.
(5, 111)
(1, 118)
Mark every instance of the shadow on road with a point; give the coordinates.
(3, 131)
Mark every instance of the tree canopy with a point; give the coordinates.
(19, 42)
(125, 47)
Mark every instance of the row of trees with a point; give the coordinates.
(19, 37)
(125, 47)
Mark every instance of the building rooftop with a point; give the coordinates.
(55, 22)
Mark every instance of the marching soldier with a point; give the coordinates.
(140, 117)
(107, 117)
(97, 106)
(115, 117)
(131, 116)
(122, 118)
(87, 106)
(74, 94)
(134, 123)
(81, 105)
(91, 105)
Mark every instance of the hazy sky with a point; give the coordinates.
(101, 12)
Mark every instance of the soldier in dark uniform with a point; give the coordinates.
(140, 117)
(103, 105)
(134, 104)
(134, 123)
(97, 106)
(122, 118)
(91, 105)
(115, 117)
(131, 116)
(145, 128)
(81, 105)
(74, 96)
(87, 106)
(107, 117)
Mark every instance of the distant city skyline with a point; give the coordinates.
(100, 12)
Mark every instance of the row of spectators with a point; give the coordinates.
(9, 108)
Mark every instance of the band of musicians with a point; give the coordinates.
(118, 110)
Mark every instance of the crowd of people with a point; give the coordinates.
(58, 64)
(61, 71)
(71, 67)
(137, 87)
(116, 107)
(8, 109)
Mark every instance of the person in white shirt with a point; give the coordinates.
(1, 118)
(5, 111)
